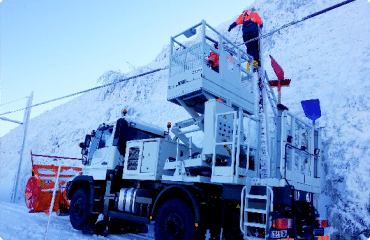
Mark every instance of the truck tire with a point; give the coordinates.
(79, 210)
(175, 221)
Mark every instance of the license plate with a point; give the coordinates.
(279, 234)
(318, 231)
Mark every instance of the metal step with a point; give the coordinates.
(257, 225)
(253, 238)
(262, 197)
(254, 210)
(223, 143)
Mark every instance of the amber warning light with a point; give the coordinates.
(168, 128)
(124, 112)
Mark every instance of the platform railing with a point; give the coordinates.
(241, 135)
(192, 54)
(300, 161)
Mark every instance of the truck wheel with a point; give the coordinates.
(175, 221)
(79, 210)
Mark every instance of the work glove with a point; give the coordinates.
(232, 26)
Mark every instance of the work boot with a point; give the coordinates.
(249, 66)
(255, 65)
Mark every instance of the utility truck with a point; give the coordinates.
(245, 181)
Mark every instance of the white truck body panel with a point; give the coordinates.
(212, 107)
(145, 159)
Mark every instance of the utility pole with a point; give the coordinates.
(26, 117)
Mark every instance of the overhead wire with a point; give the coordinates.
(88, 90)
(13, 101)
(296, 22)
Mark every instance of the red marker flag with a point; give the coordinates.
(277, 69)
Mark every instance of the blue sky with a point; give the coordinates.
(55, 48)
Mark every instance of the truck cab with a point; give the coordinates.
(104, 149)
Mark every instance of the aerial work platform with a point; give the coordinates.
(192, 82)
(222, 106)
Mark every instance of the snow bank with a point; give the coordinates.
(18, 224)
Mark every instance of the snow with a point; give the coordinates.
(326, 57)
(18, 224)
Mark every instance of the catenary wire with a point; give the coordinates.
(88, 90)
(295, 22)
(13, 101)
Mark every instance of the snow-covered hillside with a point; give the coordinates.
(326, 57)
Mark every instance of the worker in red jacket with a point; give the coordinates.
(213, 60)
(251, 23)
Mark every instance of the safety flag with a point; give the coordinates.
(277, 69)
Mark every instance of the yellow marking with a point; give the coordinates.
(227, 148)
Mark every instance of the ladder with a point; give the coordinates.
(255, 213)
(266, 148)
(265, 90)
(270, 94)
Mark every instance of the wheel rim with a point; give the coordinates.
(173, 227)
(78, 208)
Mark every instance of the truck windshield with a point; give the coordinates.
(100, 140)
(105, 137)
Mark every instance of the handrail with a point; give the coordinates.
(294, 148)
(300, 120)
(241, 221)
(206, 37)
(271, 199)
(48, 156)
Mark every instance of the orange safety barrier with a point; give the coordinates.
(39, 189)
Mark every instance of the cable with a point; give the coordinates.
(303, 19)
(13, 101)
(88, 90)
(240, 29)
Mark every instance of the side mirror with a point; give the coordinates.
(84, 151)
(84, 160)
(87, 141)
